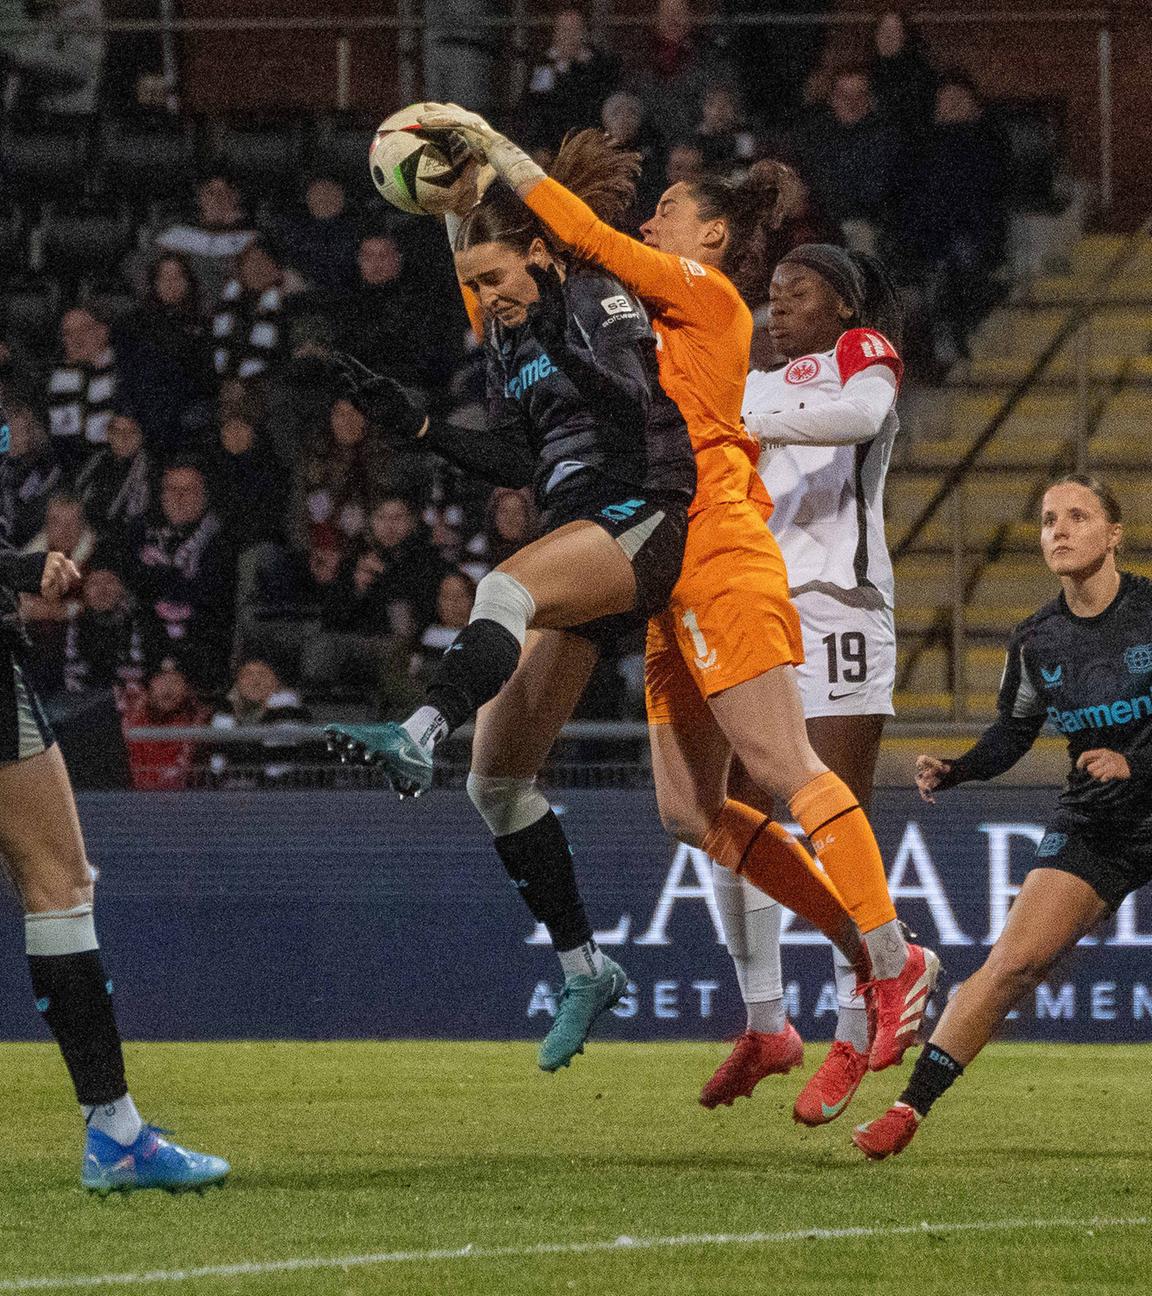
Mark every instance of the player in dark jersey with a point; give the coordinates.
(43, 849)
(577, 411)
(1083, 664)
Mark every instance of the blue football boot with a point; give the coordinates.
(150, 1162)
(387, 747)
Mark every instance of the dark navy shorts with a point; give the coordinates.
(24, 728)
(1112, 866)
(650, 529)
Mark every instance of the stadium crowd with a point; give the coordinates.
(252, 549)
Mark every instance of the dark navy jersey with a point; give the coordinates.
(1090, 679)
(18, 572)
(623, 424)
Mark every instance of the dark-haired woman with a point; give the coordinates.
(43, 849)
(1083, 665)
(826, 420)
(575, 410)
(721, 658)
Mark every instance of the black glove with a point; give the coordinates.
(549, 316)
(381, 400)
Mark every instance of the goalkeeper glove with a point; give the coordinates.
(508, 160)
(381, 400)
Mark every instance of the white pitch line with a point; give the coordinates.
(259, 1268)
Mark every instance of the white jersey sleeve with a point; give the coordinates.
(827, 424)
(856, 414)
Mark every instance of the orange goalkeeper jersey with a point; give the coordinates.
(703, 331)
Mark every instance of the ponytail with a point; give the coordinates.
(756, 210)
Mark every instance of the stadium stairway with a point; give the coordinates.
(995, 515)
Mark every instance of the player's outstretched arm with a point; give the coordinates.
(500, 455)
(659, 277)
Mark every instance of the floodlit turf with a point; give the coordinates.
(348, 1149)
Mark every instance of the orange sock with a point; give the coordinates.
(755, 847)
(842, 838)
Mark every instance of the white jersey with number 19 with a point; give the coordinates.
(826, 424)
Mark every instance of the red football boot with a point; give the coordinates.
(830, 1090)
(896, 1007)
(887, 1135)
(755, 1056)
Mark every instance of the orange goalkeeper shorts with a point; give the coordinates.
(729, 618)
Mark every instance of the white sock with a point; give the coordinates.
(768, 1016)
(887, 949)
(751, 923)
(426, 726)
(584, 960)
(852, 1021)
(119, 1120)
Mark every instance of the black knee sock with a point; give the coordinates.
(74, 996)
(933, 1073)
(539, 861)
(475, 667)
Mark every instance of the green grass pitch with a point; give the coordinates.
(352, 1149)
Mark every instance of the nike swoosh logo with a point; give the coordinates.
(835, 1109)
(835, 697)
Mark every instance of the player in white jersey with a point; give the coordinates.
(826, 420)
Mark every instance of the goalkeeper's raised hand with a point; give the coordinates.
(380, 399)
(508, 160)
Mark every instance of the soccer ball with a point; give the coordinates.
(420, 171)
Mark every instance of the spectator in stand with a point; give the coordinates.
(82, 387)
(848, 153)
(510, 525)
(33, 472)
(685, 164)
(250, 489)
(382, 598)
(248, 326)
(284, 603)
(104, 645)
(57, 71)
(211, 244)
(181, 566)
(727, 144)
(171, 322)
(349, 464)
(454, 599)
(321, 244)
(953, 217)
(629, 124)
(567, 87)
(250, 484)
(903, 79)
(385, 321)
(115, 485)
(169, 702)
(258, 696)
(672, 76)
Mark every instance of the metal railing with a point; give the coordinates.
(967, 565)
(412, 29)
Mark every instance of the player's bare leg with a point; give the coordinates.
(781, 759)
(41, 841)
(1052, 912)
(574, 574)
(691, 757)
(514, 734)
